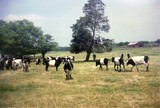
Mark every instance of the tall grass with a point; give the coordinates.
(90, 88)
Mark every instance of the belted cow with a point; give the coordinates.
(102, 61)
(118, 61)
(53, 62)
(138, 60)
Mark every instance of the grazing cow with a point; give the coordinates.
(118, 61)
(68, 67)
(25, 65)
(16, 63)
(138, 60)
(53, 62)
(102, 61)
(38, 61)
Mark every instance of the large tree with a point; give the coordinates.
(82, 38)
(94, 21)
(21, 37)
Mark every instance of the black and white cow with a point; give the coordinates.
(38, 61)
(138, 60)
(25, 65)
(16, 63)
(13, 63)
(102, 61)
(118, 61)
(72, 58)
(27, 59)
(68, 67)
(8, 63)
(53, 62)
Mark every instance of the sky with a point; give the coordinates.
(130, 20)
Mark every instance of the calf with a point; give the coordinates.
(138, 60)
(102, 61)
(118, 61)
(68, 67)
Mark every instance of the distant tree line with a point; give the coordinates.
(143, 42)
(18, 38)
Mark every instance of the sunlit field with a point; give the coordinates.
(90, 88)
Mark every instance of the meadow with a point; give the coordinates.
(90, 88)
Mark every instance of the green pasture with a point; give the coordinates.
(90, 88)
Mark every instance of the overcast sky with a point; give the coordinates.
(130, 20)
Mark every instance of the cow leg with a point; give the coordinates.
(147, 66)
(67, 75)
(123, 67)
(137, 68)
(67, 78)
(47, 67)
(120, 68)
(106, 67)
(132, 68)
(147, 69)
(70, 76)
(115, 67)
(56, 68)
(100, 67)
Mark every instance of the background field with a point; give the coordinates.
(90, 88)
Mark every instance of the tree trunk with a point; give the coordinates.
(90, 49)
(91, 46)
(88, 56)
(34, 56)
(43, 55)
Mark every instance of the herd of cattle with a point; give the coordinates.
(119, 61)
(12, 63)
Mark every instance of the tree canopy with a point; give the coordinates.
(92, 23)
(82, 39)
(21, 37)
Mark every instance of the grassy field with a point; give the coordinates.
(90, 88)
